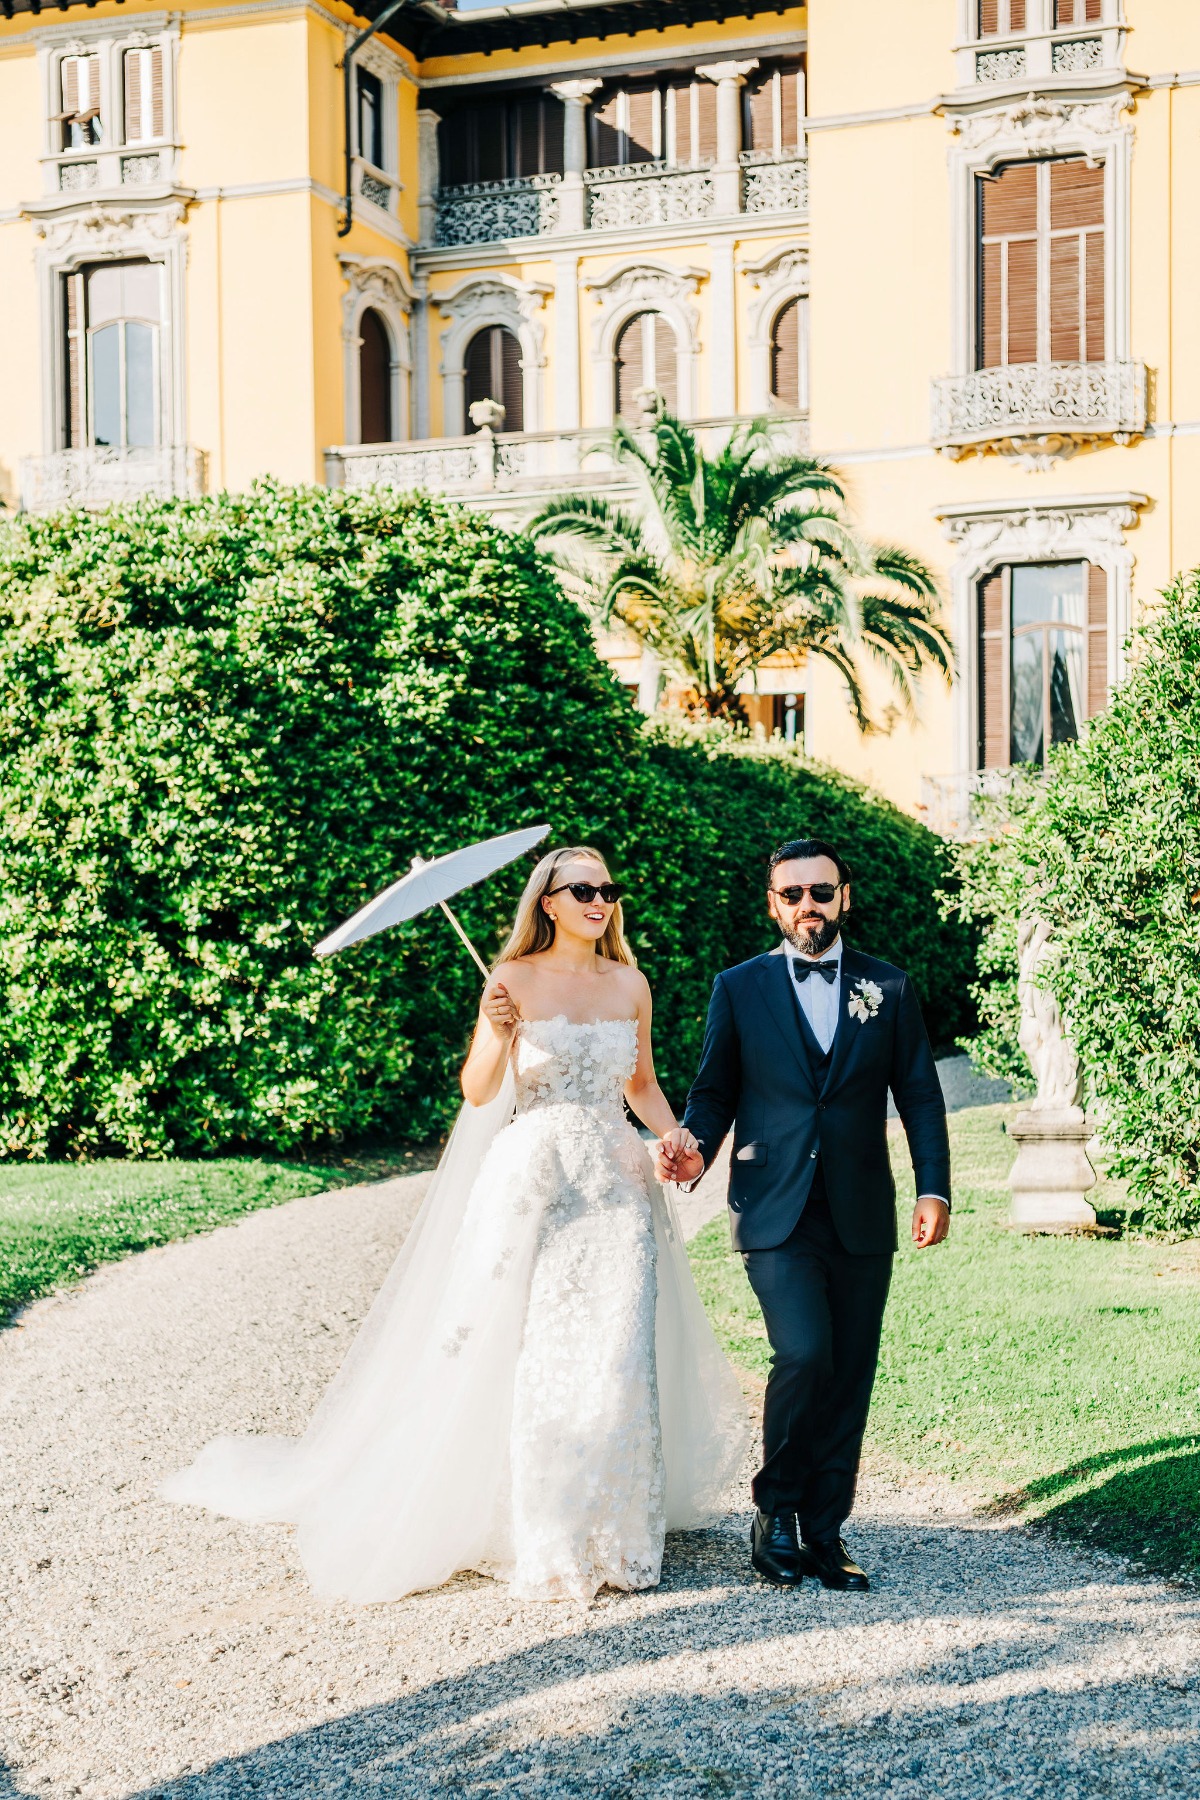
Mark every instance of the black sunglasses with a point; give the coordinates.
(586, 891)
(822, 892)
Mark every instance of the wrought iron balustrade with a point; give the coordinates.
(482, 212)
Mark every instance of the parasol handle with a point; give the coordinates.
(418, 862)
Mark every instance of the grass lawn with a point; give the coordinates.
(1056, 1377)
(59, 1221)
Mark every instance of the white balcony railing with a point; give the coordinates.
(656, 193)
(483, 212)
(1039, 406)
(967, 804)
(531, 461)
(774, 183)
(100, 475)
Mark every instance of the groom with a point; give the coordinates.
(800, 1049)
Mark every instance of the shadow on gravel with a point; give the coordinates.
(857, 1703)
(1145, 1504)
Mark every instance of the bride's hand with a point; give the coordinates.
(499, 1009)
(677, 1156)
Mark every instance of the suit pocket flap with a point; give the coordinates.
(751, 1153)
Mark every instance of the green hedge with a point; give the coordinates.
(1107, 847)
(226, 723)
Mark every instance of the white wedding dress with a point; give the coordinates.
(536, 1393)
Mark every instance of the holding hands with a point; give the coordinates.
(677, 1156)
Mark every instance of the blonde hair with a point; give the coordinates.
(533, 928)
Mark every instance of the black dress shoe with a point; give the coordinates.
(833, 1566)
(774, 1550)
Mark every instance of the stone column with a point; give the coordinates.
(421, 372)
(428, 174)
(567, 413)
(1052, 1175)
(727, 174)
(722, 337)
(572, 212)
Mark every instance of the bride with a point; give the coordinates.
(536, 1393)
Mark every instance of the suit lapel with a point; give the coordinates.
(845, 1038)
(775, 981)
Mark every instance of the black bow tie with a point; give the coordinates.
(802, 970)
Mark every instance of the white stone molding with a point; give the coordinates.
(381, 285)
(568, 414)
(429, 173)
(730, 78)
(99, 233)
(109, 165)
(1036, 126)
(638, 287)
(379, 184)
(1039, 51)
(1070, 528)
(572, 211)
(779, 276)
(473, 305)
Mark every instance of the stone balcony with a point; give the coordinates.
(965, 805)
(1039, 410)
(618, 198)
(511, 471)
(101, 475)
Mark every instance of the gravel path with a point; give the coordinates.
(149, 1650)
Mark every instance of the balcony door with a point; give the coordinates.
(1043, 658)
(112, 328)
(493, 368)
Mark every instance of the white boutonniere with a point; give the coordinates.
(865, 1001)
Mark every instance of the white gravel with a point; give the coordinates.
(149, 1650)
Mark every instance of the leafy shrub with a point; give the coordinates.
(1107, 848)
(225, 723)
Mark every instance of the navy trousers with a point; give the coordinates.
(823, 1310)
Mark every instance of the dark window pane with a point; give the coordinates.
(106, 385)
(1066, 685)
(140, 423)
(1048, 593)
(370, 117)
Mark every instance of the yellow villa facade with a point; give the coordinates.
(948, 244)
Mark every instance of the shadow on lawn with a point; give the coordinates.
(1146, 1504)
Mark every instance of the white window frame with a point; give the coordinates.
(113, 165)
(387, 69)
(1037, 43)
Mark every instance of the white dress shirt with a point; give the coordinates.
(817, 998)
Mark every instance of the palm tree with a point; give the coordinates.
(730, 559)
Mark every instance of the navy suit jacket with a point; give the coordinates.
(757, 1075)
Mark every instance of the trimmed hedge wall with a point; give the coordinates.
(225, 723)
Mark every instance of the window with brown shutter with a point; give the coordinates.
(643, 141)
(771, 108)
(1097, 639)
(78, 117)
(1040, 281)
(374, 380)
(1001, 17)
(1078, 12)
(646, 357)
(704, 121)
(74, 432)
(143, 89)
(787, 356)
(604, 132)
(1042, 658)
(493, 372)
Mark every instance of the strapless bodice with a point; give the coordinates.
(560, 1062)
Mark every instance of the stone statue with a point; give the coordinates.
(1042, 1035)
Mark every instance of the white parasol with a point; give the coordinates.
(431, 884)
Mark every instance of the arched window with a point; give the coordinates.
(113, 318)
(789, 358)
(376, 425)
(646, 357)
(494, 372)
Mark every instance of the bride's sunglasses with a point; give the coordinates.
(585, 891)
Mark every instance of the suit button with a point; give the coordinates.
(820, 1106)
(813, 1157)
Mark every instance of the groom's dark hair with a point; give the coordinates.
(798, 849)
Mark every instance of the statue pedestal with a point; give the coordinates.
(1052, 1174)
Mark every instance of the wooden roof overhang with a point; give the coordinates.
(429, 29)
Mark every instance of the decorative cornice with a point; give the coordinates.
(1084, 525)
(646, 276)
(105, 230)
(1040, 123)
(789, 262)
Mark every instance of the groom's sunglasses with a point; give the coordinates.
(822, 892)
(585, 892)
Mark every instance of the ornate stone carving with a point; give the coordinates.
(1000, 65)
(102, 475)
(140, 171)
(1078, 56)
(483, 212)
(1039, 411)
(1042, 1035)
(519, 306)
(1052, 1174)
(774, 184)
(1039, 125)
(74, 176)
(1090, 529)
(111, 231)
(647, 194)
(376, 190)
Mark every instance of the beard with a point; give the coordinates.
(812, 936)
